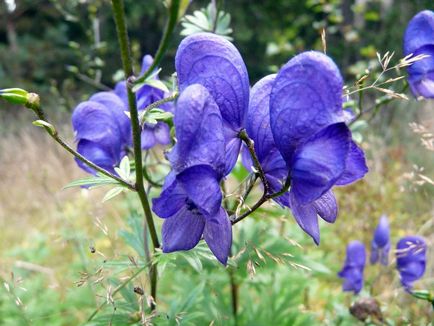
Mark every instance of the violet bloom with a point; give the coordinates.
(419, 39)
(352, 272)
(191, 198)
(306, 122)
(410, 260)
(102, 131)
(380, 244)
(146, 95)
(214, 62)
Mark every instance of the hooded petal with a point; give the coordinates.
(327, 207)
(94, 122)
(306, 97)
(199, 131)
(171, 200)
(121, 91)
(117, 108)
(355, 166)
(319, 162)
(306, 217)
(97, 154)
(146, 63)
(419, 32)
(258, 117)
(214, 62)
(410, 259)
(183, 230)
(421, 73)
(218, 235)
(382, 232)
(201, 184)
(356, 254)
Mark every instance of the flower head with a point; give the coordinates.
(352, 271)
(146, 95)
(410, 260)
(213, 62)
(191, 197)
(380, 244)
(419, 39)
(102, 130)
(306, 120)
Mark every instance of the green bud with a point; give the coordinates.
(14, 95)
(45, 124)
(422, 294)
(33, 101)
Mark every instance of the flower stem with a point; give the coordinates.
(121, 28)
(164, 43)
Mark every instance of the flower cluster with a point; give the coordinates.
(103, 130)
(410, 258)
(419, 39)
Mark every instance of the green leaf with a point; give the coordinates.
(93, 182)
(14, 95)
(422, 294)
(42, 124)
(112, 193)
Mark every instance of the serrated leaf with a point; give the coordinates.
(112, 193)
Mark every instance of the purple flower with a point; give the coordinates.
(419, 39)
(352, 271)
(214, 62)
(102, 130)
(191, 198)
(380, 244)
(306, 119)
(146, 95)
(410, 260)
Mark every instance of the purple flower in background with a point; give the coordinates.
(306, 119)
(410, 260)
(146, 95)
(380, 244)
(215, 63)
(352, 272)
(102, 130)
(191, 198)
(419, 39)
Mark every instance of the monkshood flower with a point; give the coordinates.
(214, 62)
(380, 244)
(419, 39)
(146, 95)
(352, 271)
(102, 130)
(306, 119)
(410, 260)
(191, 198)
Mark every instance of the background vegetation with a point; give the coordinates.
(66, 50)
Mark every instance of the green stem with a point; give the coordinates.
(41, 116)
(162, 48)
(121, 28)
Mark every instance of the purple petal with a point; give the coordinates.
(97, 154)
(199, 131)
(214, 62)
(327, 207)
(276, 185)
(421, 73)
(353, 279)
(306, 97)
(162, 133)
(232, 151)
(121, 91)
(319, 162)
(172, 199)
(382, 232)
(201, 183)
(375, 253)
(355, 166)
(218, 235)
(117, 107)
(419, 32)
(146, 63)
(356, 254)
(183, 230)
(258, 117)
(306, 217)
(148, 137)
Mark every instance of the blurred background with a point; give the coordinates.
(67, 50)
